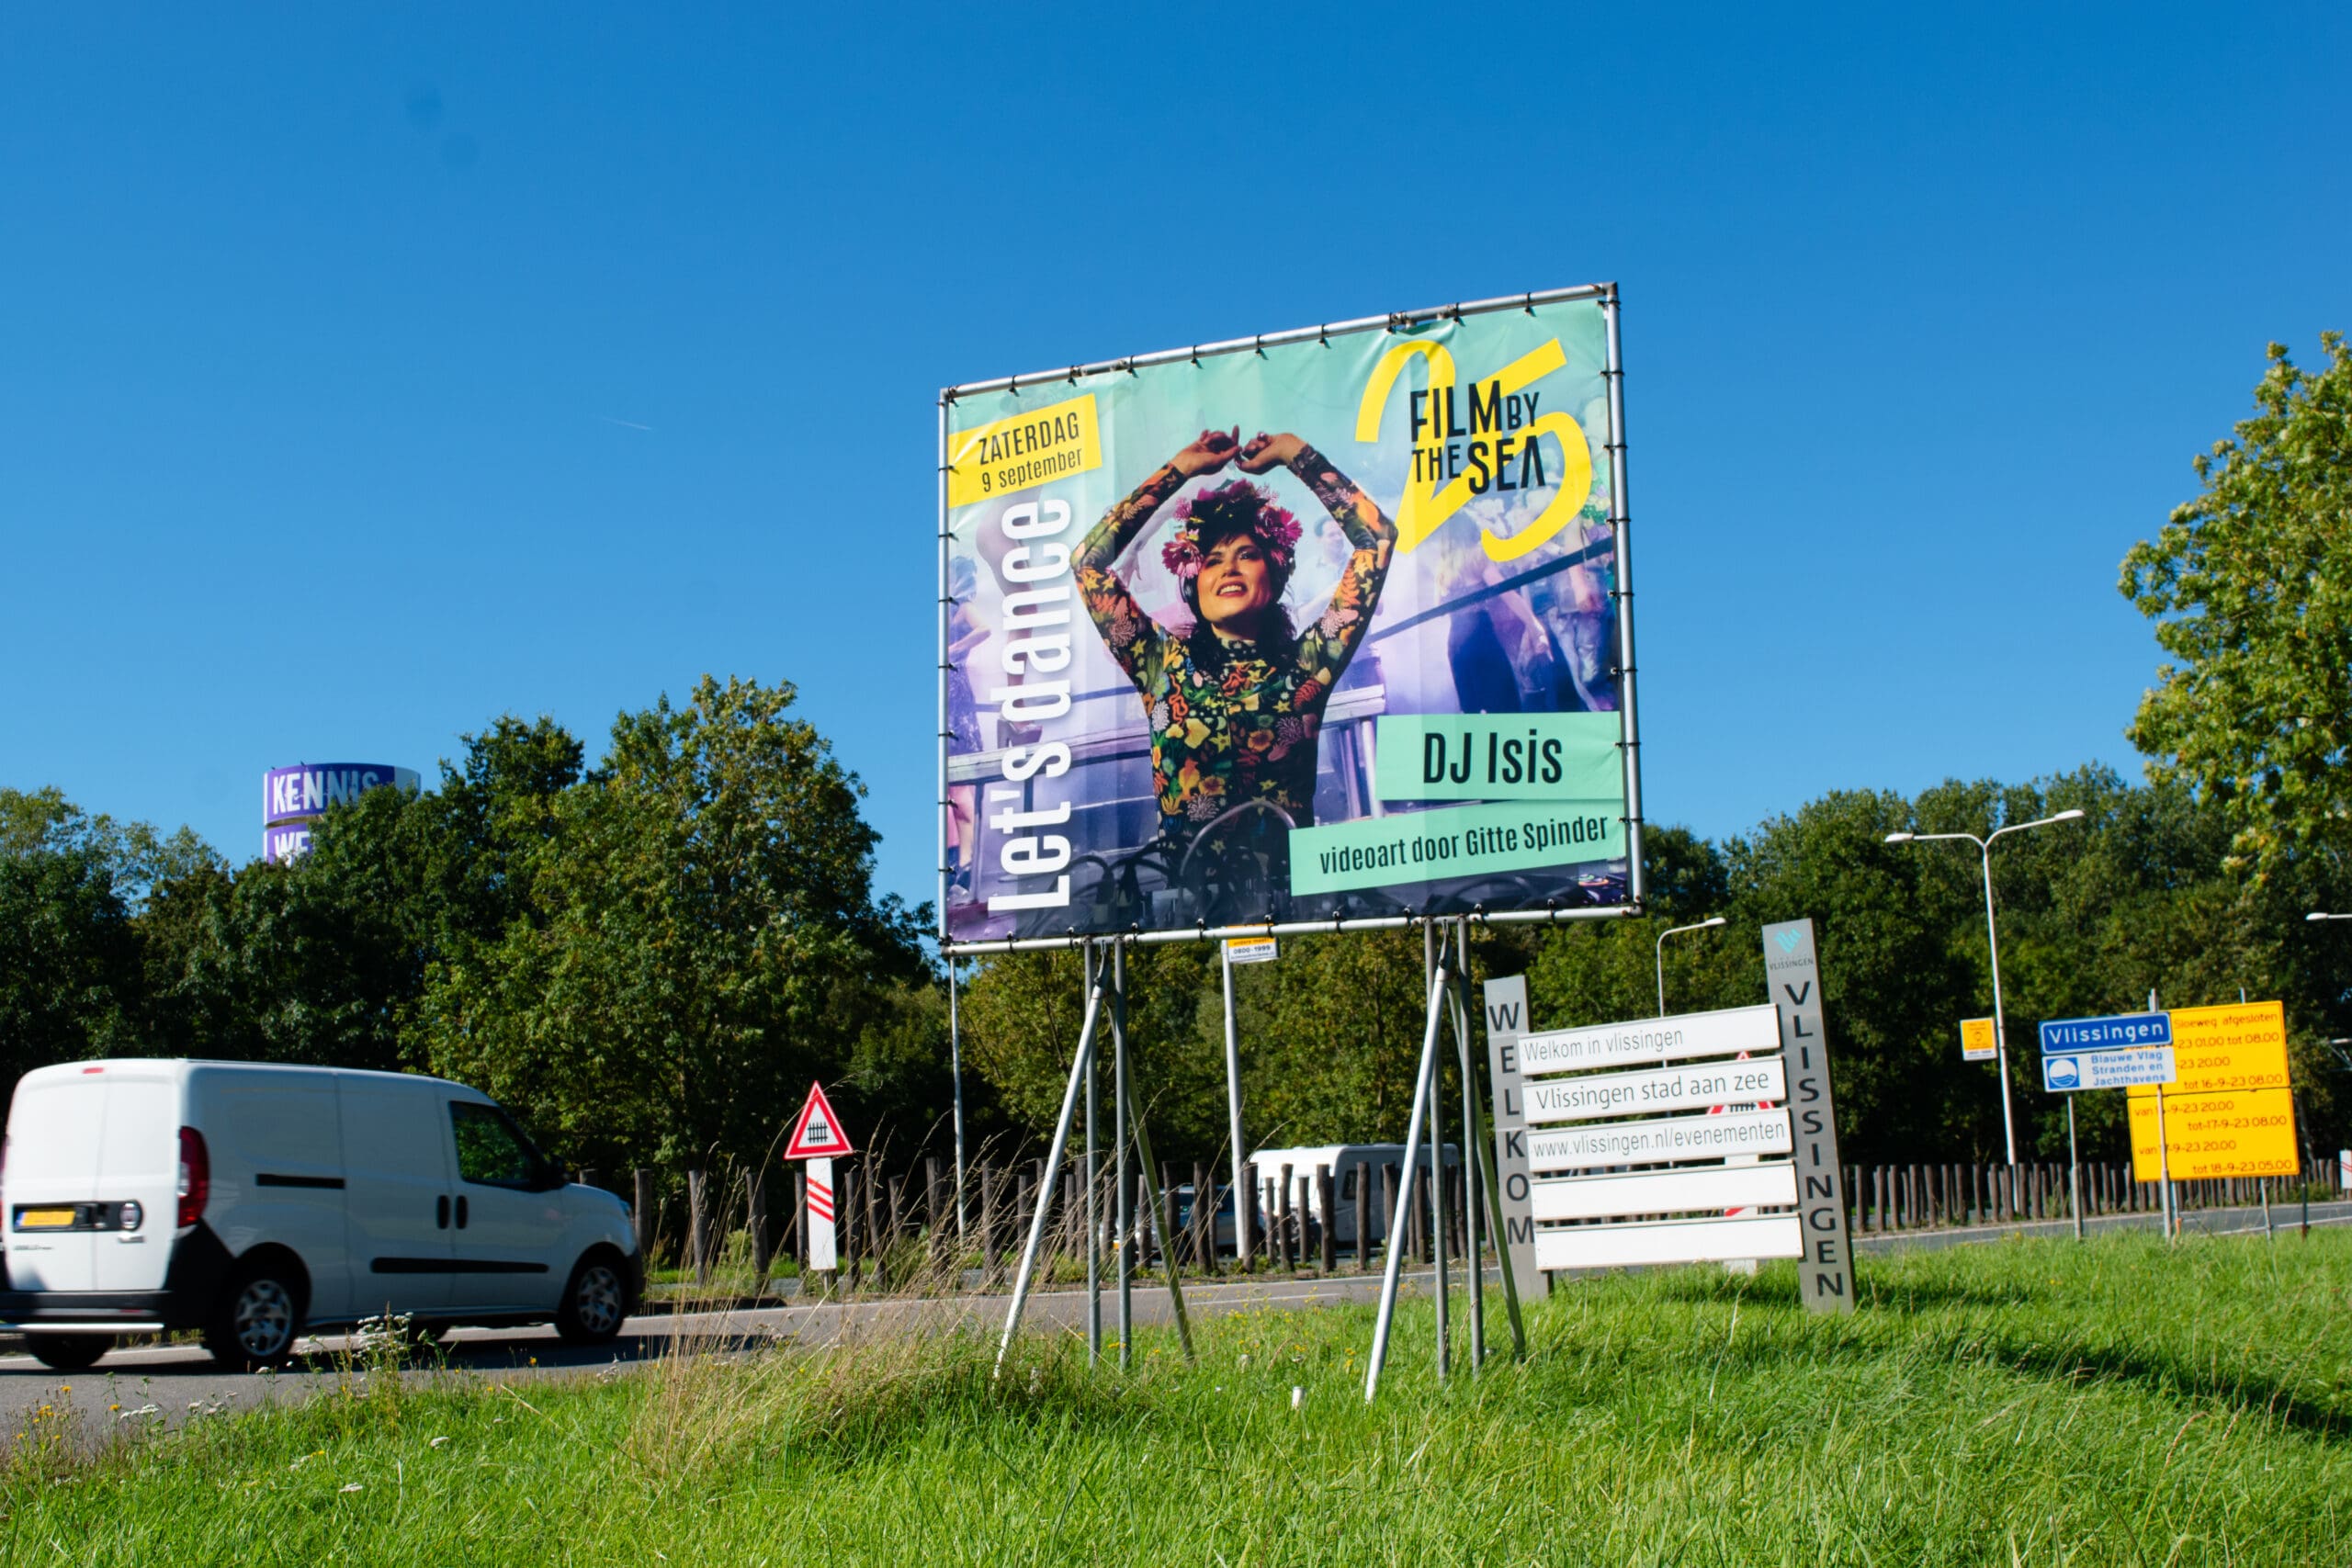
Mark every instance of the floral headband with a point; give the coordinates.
(1237, 507)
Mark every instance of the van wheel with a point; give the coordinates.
(595, 1301)
(68, 1352)
(259, 1318)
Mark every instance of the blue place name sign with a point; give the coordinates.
(2122, 1032)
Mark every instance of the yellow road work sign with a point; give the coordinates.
(2236, 1133)
(2242, 1045)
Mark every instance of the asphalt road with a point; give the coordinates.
(174, 1383)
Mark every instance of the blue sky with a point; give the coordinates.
(365, 374)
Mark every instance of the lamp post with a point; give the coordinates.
(1992, 947)
(2324, 915)
(1677, 931)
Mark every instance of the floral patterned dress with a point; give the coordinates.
(1245, 732)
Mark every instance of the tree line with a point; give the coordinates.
(649, 958)
(2094, 915)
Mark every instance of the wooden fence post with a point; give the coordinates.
(1363, 1216)
(756, 1221)
(1327, 1204)
(1389, 1234)
(1171, 1241)
(640, 1182)
(698, 1227)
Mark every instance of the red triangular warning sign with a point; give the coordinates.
(818, 1134)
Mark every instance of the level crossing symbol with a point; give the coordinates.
(818, 1134)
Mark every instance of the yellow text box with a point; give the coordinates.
(2237, 1047)
(1977, 1041)
(1023, 450)
(2242, 1133)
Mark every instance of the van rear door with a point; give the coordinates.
(139, 1164)
(54, 1123)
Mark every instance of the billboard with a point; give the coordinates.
(1319, 626)
(292, 799)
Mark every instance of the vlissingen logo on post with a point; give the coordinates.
(1788, 940)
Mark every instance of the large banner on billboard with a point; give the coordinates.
(1319, 629)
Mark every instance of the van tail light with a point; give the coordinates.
(196, 1176)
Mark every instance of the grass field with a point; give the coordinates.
(2032, 1402)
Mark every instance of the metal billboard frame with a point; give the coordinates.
(1622, 596)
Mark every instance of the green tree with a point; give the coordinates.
(1022, 1014)
(317, 960)
(704, 940)
(2250, 586)
(69, 961)
(73, 887)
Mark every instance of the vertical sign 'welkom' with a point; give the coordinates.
(1506, 1003)
(1793, 968)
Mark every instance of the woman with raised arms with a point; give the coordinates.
(1236, 701)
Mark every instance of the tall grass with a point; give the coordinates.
(2031, 1402)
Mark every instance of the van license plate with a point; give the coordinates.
(45, 1219)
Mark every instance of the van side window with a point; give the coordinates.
(491, 1150)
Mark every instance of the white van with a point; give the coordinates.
(257, 1202)
(1266, 1167)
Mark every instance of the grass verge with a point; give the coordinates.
(2031, 1402)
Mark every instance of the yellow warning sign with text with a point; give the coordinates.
(1977, 1041)
(2240, 1133)
(2241, 1045)
(1033, 447)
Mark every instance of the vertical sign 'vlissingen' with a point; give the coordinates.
(1792, 970)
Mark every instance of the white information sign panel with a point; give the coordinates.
(1657, 1142)
(1666, 1193)
(1671, 1241)
(2107, 1069)
(1755, 1030)
(1251, 949)
(1692, 1088)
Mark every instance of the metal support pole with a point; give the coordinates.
(2000, 1025)
(1434, 950)
(1390, 1270)
(955, 1069)
(1233, 1123)
(1472, 1187)
(2074, 1171)
(1079, 1067)
(1123, 1200)
(1093, 1178)
(2164, 1171)
(2164, 1158)
(1621, 531)
(1168, 1243)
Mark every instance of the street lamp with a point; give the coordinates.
(1677, 931)
(2324, 915)
(1992, 947)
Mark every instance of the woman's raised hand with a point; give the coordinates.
(1263, 451)
(1213, 451)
